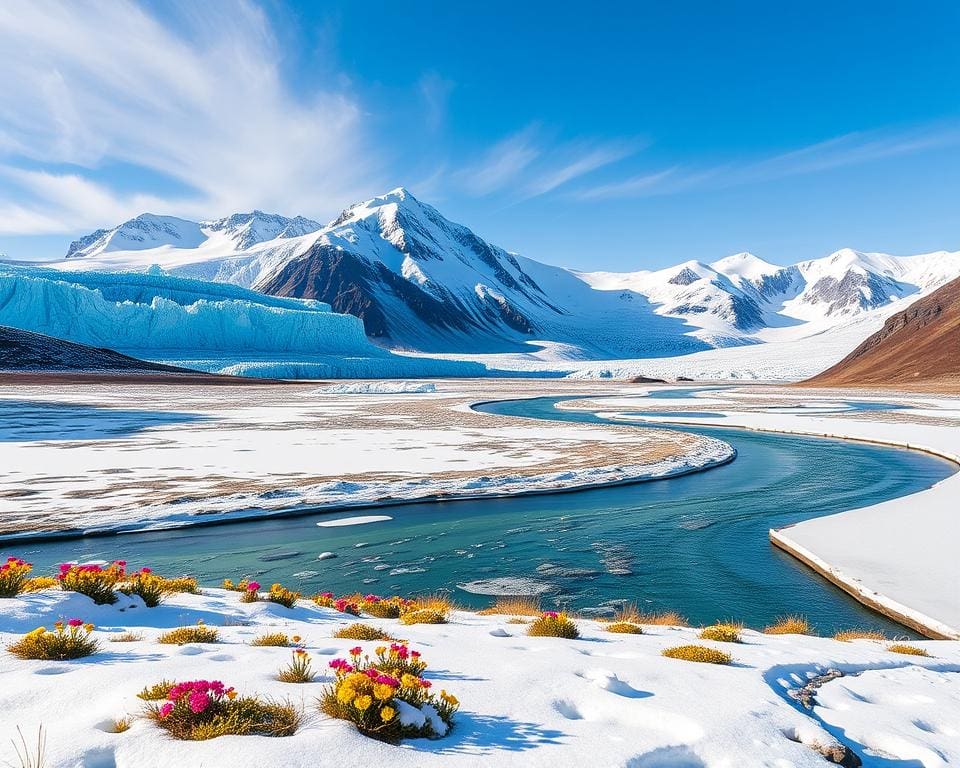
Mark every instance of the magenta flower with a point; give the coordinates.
(550, 614)
(356, 651)
(75, 622)
(146, 570)
(166, 709)
(198, 702)
(253, 586)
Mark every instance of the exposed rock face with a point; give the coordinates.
(919, 346)
(28, 352)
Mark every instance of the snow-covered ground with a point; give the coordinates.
(106, 457)
(604, 699)
(900, 555)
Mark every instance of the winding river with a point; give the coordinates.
(697, 544)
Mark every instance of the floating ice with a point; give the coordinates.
(507, 586)
(353, 521)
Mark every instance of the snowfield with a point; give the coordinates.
(605, 699)
(101, 457)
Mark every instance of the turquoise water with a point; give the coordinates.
(697, 544)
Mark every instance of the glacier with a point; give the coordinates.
(215, 327)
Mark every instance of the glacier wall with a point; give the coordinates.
(142, 314)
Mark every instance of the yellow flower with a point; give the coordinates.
(231, 695)
(382, 691)
(346, 694)
(296, 638)
(362, 702)
(88, 627)
(409, 681)
(380, 650)
(449, 698)
(387, 714)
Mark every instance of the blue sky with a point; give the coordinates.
(627, 137)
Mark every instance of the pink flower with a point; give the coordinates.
(146, 570)
(550, 614)
(121, 563)
(415, 654)
(75, 623)
(425, 683)
(387, 680)
(328, 595)
(253, 586)
(198, 702)
(356, 651)
(371, 599)
(166, 709)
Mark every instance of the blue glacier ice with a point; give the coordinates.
(215, 327)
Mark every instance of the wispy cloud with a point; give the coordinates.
(531, 163)
(87, 85)
(849, 149)
(435, 92)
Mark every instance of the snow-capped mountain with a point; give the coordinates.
(148, 232)
(421, 282)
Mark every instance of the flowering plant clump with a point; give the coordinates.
(346, 606)
(206, 709)
(299, 670)
(240, 586)
(70, 641)
(152, 588)
(553, 624)
(14, 577)
(399, 660)
(200, 633)
(38, 583)
(385, 607)
(251, 593)
(280, 594)
(424, 616)
(324, 599)
(95, 581)
(157, 691)
(384, 704)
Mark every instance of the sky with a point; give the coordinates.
(623, 136)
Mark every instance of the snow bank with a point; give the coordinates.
(378, 388)
(604, 700)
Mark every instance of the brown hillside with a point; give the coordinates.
(918, 348)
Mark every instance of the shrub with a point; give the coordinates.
(252, 592)
(38, 583)
(513, 606)
(625, 627)
(398, 660)
(150, 587)
(157, 691)
(121, 724)
(323, 599)
(72, 641)
(127, 637)
(14, 576)
(789, 625)
(200, 633)
(346, 606)
(185, 584)
(361, 632)
(94, 581)
(371, 698)
(240, 586)
(277, 639)
(280, 594)
(424, 616)
(697, 653)
(299, 670)
(385, 608)
(205, 709)
(553, 624)
(726, 632)
(910, 650)
(436, 601)
(846, 635)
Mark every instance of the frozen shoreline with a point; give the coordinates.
(870, 552)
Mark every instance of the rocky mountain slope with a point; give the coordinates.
(918, 347)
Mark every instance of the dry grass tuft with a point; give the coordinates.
(698, 653)
(360, 631)
(552, 624)
(28, 756)
(200, 633)
(121, 724)
(513, 606)
(425, 616)
(726, 632)
(846, 635)
(630, 614)
(127, 637)
(789, 625)
(625, 628)
(515, 620)
(157, 691)
(440, 602)
(274, 639)
(909, 650)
